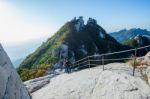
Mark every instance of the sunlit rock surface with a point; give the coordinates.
(116, 82)
(11, 87)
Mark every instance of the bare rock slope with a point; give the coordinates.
(11, 87)
(116, 82)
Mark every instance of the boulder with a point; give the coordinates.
(11, 86)
(37, 83)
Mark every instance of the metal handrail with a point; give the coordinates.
(82, 62)
(87, 60)
(81, 59)
(80, 66)
(113, 53)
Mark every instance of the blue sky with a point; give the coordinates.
(25, 24)
(32, 19)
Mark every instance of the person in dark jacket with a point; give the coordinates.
(67, 65)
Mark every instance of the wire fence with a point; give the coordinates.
(95, 60)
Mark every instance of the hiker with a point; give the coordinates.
(67, 64)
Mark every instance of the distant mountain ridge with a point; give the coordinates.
(134, 38)
(18, 51)
(125, 34)
(17, 62)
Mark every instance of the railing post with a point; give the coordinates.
(78, 64)
(134, 61)
(73, 66)
(103, 62)
(89, 62)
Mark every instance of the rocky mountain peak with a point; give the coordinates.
(80, 41)
(79, 23)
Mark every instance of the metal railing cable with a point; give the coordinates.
(86, 61)
(82, 59)
(81, 66)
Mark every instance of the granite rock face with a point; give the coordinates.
(116, 82)
(61, 52)
(11, 86)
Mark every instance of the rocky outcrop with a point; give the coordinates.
(147, 58)
(79, 24)
(148, 74)
(91, 21)
(116, 82)
(37, 83)
(139, 40)
(11, 87)
(60, 53)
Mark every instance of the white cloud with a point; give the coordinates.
(17, 28)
